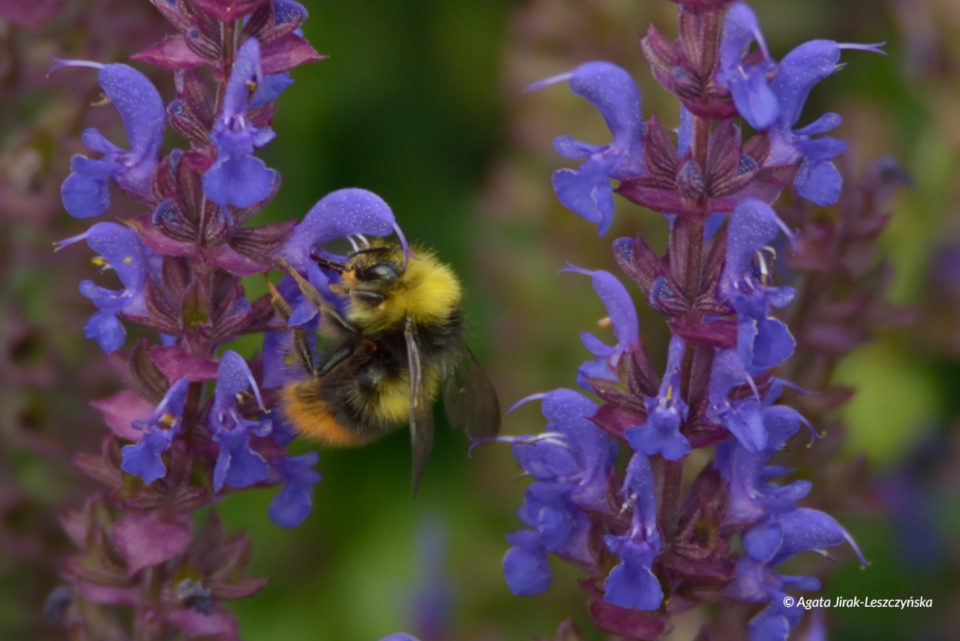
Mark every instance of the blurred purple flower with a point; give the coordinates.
(86, 191)
(143, 458)
(586, 191)
(119, 249)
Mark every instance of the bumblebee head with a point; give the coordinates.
(384, 288)
(369, 278)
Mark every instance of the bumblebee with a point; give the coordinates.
(398, 342)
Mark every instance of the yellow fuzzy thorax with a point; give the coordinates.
(428, 292)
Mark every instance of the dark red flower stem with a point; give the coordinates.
(688, 235)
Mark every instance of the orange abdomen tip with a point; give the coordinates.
(312, 418)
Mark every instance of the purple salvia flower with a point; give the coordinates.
(756, 581)
(119, 248)
(86, 191)
(632, 584)
(748, 83)
(666, 411)
(293, 502)
(238, 465)
(238, 177)
(770, 96)
(748, 418)
(762, 341)
(745, 468)
(623, 318)
(337, 215)
(143, 458)
(571, 461)
(586, 191)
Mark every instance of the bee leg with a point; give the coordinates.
(334, 359)
(300, 344)
(311, 294)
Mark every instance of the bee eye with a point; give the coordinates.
(380, 271)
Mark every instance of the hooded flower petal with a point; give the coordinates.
(623, 317)
(337, 215)
(587, 191)
(86, 192)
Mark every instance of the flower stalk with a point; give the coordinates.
(197, 421)
(720, 538)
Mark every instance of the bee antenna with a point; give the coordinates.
(329, 264)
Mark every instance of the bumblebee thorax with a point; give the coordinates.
(383, 291)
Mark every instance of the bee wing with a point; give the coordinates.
(421, 410)
(469, 399)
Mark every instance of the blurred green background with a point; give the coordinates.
(422, 102)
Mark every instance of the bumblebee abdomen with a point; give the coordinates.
(312, 417)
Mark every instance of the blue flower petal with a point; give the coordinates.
(293, 502)
(612, 90)
(631, 584)
(819, 182)
(587, 192)
(798, 72)
(143, 459)
(525, 565)
(337, 215)
(239, 180)
(141, 109)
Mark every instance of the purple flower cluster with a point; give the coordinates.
(197, 420)
(643, 536)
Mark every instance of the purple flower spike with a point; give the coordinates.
(587, 191)
(238, 177)
(293, 502)
(660, 434)
(143, 458)
(86, 192)
(402, 636)
(337, 215)
(238, 465)
(623, 317)
(632, 584)
(119, 249)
